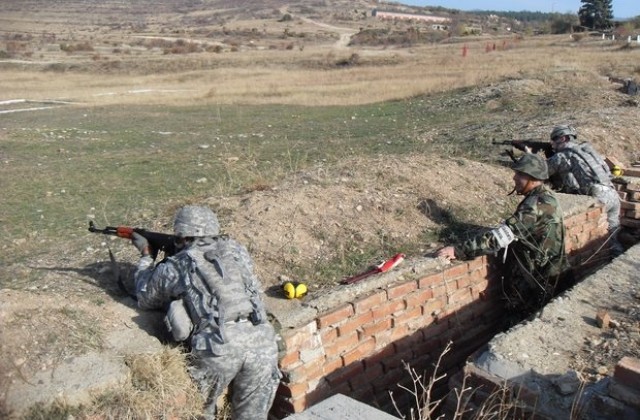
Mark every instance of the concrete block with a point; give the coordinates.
(627, 372)
(625, 394)
(341, 407)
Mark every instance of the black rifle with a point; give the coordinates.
(157, 241)
(534, 146)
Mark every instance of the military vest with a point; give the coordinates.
(587, 169)
(218, 287)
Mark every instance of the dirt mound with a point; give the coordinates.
(323, 215)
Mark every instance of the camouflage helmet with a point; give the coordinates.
(195, 221)
(563, 130)
(533, 165)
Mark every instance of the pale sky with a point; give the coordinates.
(621, 8)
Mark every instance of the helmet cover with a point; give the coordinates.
(195, 221)
(533, 165)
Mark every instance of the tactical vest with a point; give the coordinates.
(587, 169)
(219, 288)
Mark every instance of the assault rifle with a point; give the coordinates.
(534, 146)
(157, 241)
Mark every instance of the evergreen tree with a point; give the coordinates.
(596, 14)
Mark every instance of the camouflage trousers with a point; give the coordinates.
(608, 196)
(248, 363)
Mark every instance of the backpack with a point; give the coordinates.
(220, 288)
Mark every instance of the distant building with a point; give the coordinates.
(409, 17)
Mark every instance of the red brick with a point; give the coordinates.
(364, 349)
(342, 344)
(478, 290)
(335, 317)
(627, 372)
(368, 302)
(460, 297)
(632, 223)
(352, 324)
(633, 187)
(463, 282)
(389, 380)
(456, 271)
(575, 220)
(328, 335)
(366, 377)
(477, 263)
(612, 161)
(629, 205)
(305, 373)
(583, 238)
(406, 316)
(319, 394)
(386, 352)
(293, 390)
(389, 308)
(439, 290)
(634, 172)
(419, 297)
(299, 404)
(300, 338)
(430, 280)
(633, 196)
(594, 214)
(343, 375)
(632, 214)
(332, 365)
(383, 338)
(399, 332)
(371, 329)
(401, 289)
(290, 359)
(432, 306)
(404, 354)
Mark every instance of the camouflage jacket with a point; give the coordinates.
(215, 279)
(536, 257)
(576, 168)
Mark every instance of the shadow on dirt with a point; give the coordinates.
(116, 279)
(453, 229)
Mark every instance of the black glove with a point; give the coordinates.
(141, 243)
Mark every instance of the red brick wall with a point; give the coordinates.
(359, 348)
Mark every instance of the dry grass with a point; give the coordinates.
(312, 76)
(159, 388)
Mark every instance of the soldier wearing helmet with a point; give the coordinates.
(530, 242)
(576, 168)
(215, 307)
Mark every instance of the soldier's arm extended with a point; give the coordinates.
(156, 286)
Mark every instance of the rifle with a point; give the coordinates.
(157, 241)
(534, 145)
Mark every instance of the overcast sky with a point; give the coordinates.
(621, 8)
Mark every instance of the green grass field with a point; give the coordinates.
(64, 166)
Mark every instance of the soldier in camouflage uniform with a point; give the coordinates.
(576, 168)
(215, 306)
(531, 241)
